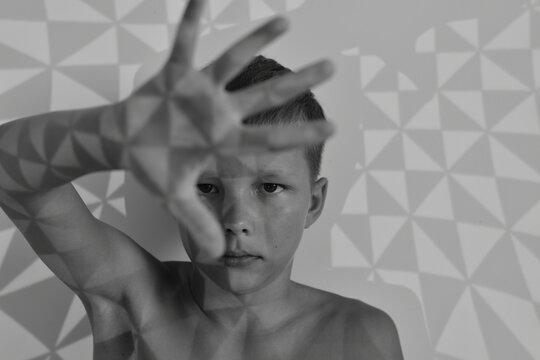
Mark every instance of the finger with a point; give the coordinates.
(201, 224)
(242, 52)
(187, 33)
(277, 91)
(256, 139)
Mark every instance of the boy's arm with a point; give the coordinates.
(163, 133)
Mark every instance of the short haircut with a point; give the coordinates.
(302, 108)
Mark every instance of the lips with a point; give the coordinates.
(239, 258)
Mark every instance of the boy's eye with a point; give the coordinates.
(271, 187)
(206, 188)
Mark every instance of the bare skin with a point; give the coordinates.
(168, 134)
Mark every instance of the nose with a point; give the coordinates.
(237, 216)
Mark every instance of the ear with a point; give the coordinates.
(318, 197)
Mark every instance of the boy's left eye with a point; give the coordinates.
(272, 188)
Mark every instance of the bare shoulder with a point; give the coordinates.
(369, 332)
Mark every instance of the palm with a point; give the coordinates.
(182, 117)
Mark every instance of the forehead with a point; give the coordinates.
(282, 164)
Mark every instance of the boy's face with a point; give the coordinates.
(263, 202)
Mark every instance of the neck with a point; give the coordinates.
(259, 310)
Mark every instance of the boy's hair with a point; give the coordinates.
(303, 107)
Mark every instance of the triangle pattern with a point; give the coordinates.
(405, 83)
(74, 315)
(31, 275)
(494, 330)
(467, 29)
(515, 36)
(11, 78)
(358, 227)
(391, 157)
(72, 11)
(104, 7)
(32, 38)
(518, 197)
(507, 164)
(17, 258)
(457, 143)
(448, 64)
(440, 295)
(101, 79)
(518, 315)
(437, 204)
(448, 41)
(507, 279)
(530, 265)
(501, 104)
(370, 67)
(462, 335)
(523, 119)
(470, 102)
(43, 325)
(124, 7)
(344, 252)
(496, 78)
(74, 351)
(518, 63)
(68, 94)
(419, 185)
(431, 142)
(12, 58)
(485, 191)
(528, 223)
(431, 259)
(148, 12)
(416, 158)
(478, 160)
(536, 68)
(394, 183)
(468, 209)
(467, 78)
(428, 117)
(383, 231)
(400, 254)
(356, 201)
(409, 280)
(426, 42)
(387, 103)
(525, 146)
(66, 38)
(453, 118)
(476, 242)
(380, 202)
(375, 141)
(443, 233)
(13, 334)
(101, 51)
(155, 36)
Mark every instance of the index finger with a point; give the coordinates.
(187, 33)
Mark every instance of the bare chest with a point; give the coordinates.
(162, 332)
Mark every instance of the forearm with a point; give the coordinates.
(48, 150)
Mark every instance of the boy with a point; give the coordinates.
(180, 136)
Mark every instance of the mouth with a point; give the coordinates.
(239, 258)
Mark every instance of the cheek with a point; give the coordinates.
(284, 225)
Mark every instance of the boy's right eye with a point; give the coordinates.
(206, 188)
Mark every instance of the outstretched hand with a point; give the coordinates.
(182, 117)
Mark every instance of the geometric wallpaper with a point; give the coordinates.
(433, 212)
